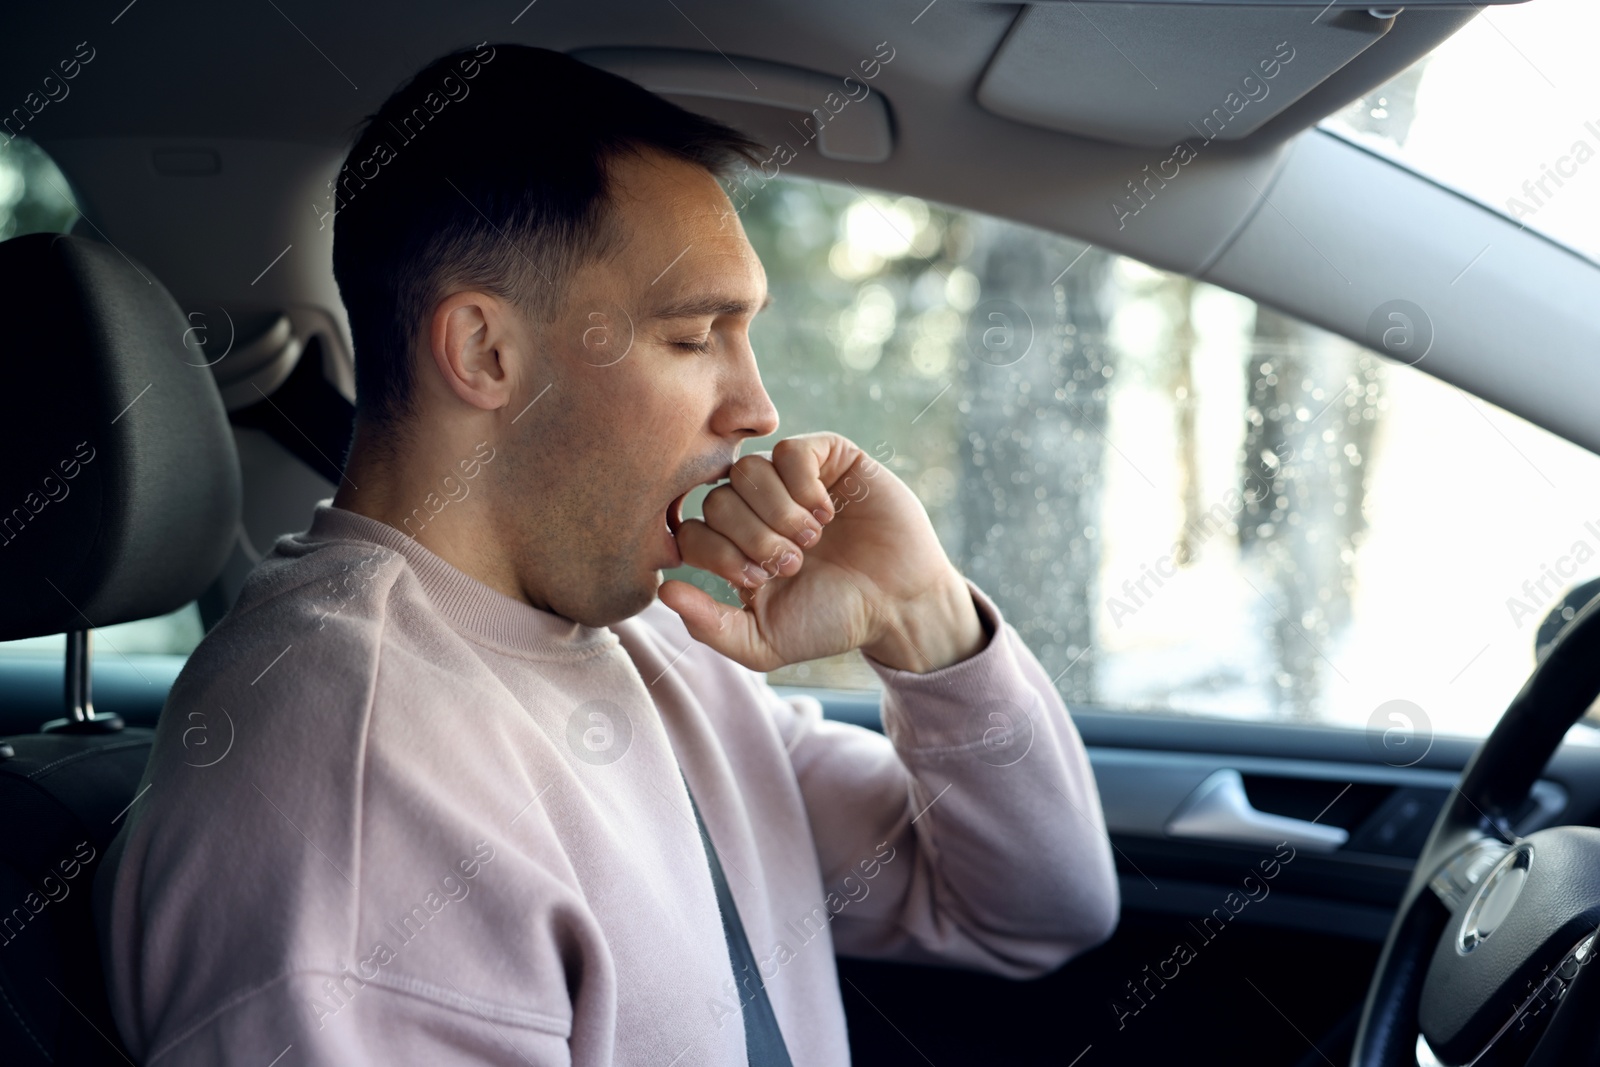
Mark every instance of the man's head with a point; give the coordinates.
(537, 255)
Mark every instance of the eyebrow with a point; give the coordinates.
(702, 306)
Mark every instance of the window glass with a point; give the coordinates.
(1182, 501)
(175, 634)
(1503, 111)
(34, 196)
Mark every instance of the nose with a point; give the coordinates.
(746, 410)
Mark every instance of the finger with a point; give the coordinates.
(706, 549)
(731, 631)
(810, 464)
(729, 513)
(759, 485)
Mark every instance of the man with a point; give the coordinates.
(460, 818)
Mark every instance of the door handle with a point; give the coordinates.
(1220, 810)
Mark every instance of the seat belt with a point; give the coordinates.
(763, 1041)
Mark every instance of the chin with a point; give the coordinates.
(607, 605)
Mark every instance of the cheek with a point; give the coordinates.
(628, 433)
(664, 413)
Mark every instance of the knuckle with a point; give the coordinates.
(725, 563)
(797, 518)
(717, 502)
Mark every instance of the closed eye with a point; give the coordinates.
(700, 346)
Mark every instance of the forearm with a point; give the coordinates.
(1004, 797)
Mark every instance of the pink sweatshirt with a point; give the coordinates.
(393, 816)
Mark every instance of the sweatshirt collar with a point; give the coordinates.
(468, 604)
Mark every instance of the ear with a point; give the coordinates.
(472, 338)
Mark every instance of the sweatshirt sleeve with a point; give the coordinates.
(972, 833)
(404, 1022)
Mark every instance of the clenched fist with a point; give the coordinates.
(829, 551)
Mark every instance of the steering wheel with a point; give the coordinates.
(1486, 957)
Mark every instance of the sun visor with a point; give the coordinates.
(1148, 76)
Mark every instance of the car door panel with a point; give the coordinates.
(1214, 961)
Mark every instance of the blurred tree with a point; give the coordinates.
(1313, 404)
(1313, 407)
(1034, 442)
(1184, 404)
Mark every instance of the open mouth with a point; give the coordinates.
(674, 509)
(675, 512)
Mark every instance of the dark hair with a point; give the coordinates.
(488, 169)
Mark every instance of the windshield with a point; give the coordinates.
(1507, 111)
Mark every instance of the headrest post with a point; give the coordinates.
(80, 706)
(80, 718)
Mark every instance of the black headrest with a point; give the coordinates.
(119, 488)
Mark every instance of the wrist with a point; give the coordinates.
(937, 630)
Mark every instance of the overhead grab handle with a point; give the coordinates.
(845, 114)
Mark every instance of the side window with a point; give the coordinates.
(1181, 500)
(175, 634)
(34, 196)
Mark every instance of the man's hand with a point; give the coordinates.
(829, 551)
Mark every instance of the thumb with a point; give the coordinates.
(730, 631)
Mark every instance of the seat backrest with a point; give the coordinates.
(63, 798)
(119, 500)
